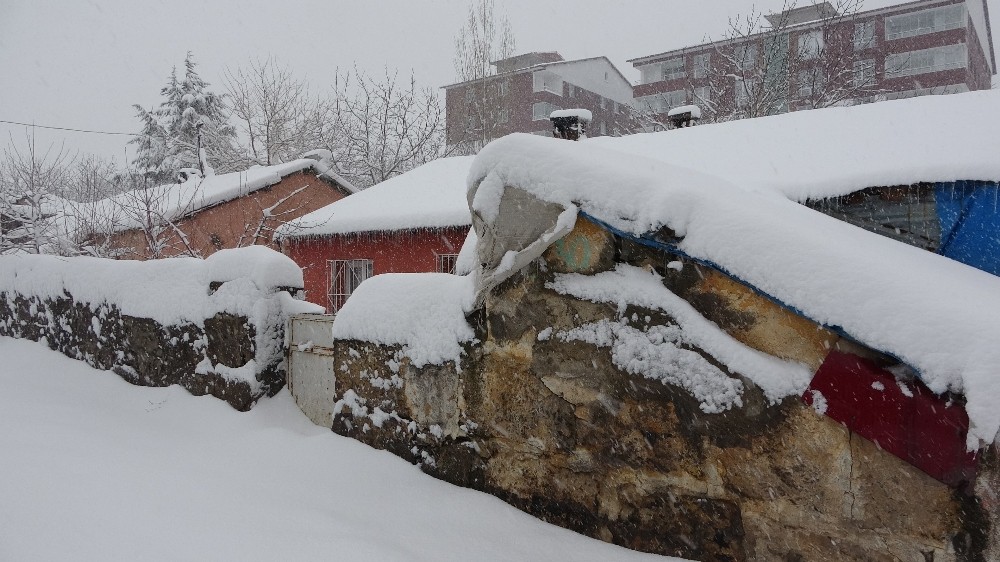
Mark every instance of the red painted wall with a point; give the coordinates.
(390, 252)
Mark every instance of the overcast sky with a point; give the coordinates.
(83, 63)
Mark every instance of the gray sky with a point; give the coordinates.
(83, 63)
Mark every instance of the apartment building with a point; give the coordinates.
(816, 57)
(527, 88)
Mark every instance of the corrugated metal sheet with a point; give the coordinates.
(904, 213)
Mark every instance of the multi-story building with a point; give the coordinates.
(527, 88)
(816, 57)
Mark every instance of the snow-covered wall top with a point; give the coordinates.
(935, 314)
(171, 291)
(431, 196)
(831, 152)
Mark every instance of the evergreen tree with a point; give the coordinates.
(170, 132)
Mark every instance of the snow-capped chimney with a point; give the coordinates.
(570, 124)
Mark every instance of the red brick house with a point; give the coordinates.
(916, 48)
(199, 216)
(533, 85)
(415, 222)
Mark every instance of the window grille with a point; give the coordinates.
(446, 263)
(935, 59)
(864, 35)
(345, 276)
(925, 21)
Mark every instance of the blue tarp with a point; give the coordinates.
(969, 213)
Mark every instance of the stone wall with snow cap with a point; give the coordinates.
(214, 326)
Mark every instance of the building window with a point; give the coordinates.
(864, 73)
(503, 87)
(503, 116)
(864, 35)
(604, 128)
(811, 82)
(741, 95)
(703, 95)
(935, 59)
(545, 81)
(571, 90)
(810, 44)
(542, 110)
(747, 57)
(345, 276)
(925, 21)
(660, 103)
(673, 69)
(445, 263)
(470, 95)
(702, 63)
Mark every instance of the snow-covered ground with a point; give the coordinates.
(93, 468)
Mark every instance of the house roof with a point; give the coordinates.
(430, 196)
(125, 210)
(728, 205)
(831, 152)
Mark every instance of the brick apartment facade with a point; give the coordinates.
(916, 48)
(536, 84)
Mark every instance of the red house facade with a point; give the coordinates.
(413, 223)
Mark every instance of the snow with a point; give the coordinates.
(581, 114)
(430, 196)
(636, 286)
(832, 152)
(935, 314)
(468, 260)
(98, 469)
(422, 312)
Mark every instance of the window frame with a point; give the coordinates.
(344, 277)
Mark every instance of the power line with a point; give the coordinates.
(70, 129)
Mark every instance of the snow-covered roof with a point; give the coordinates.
(173, 201)
(719, 190)
(831, 152)
(430, 196)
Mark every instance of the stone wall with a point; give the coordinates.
(556, 429)
(143, 351)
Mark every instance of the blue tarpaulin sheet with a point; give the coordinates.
(969, 213)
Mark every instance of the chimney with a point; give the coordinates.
(570, 124)
(684, 116)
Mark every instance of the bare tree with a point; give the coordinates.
(770, 64)
(485, 39)
(32, 211)
(278, 116)
(384, 127)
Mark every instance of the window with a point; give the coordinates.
(604, 103)
(810, 82)
(864, 73)
(345, 276)
(470, 95)
(604, 128)
(702, 63)
(747, 57)
(503, 87)
(742, 96)
(445, 263)
(703, 95)
(503, 116)
(571, 90)
(673, 69)
(810, 44)
(925, 21)
(927, 60)
(650, 73)
(661, 103)
(864, 35)
(545, 81)
(542, 110)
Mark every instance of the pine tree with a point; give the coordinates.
(170, 132)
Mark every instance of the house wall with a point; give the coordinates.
(233, 224)
(839, 41)
(391, 252)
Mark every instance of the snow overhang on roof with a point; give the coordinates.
(430, 196)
